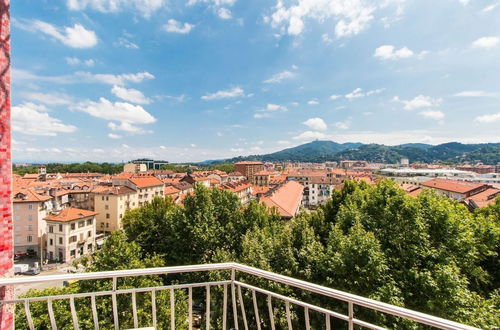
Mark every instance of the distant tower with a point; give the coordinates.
(404, 162)
(42, 173)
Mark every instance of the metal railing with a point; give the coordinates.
(236, 287)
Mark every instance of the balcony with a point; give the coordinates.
(231, 301)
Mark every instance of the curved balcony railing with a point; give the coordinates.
(233, 291)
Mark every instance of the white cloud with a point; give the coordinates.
(32, 119)
(224, 13)
(114, 136)
(487, 119)
(283, 142)
(464, 2)
(130, 95)
(120, 111)
(225, 94)
(77, 61)
(127, 127)
(48, 98)
(310, 135)
(145, 7)
(358, 93)
(260, 115)
(163, 147)
(192, 145)
(343, 124)
(76, 36)
(275, 107)
(313, 102)
(316, 123)
(432, 114)
(486, 42)
(174, 26)
(237, 149)
(335, 97)
(389, 52)
(418, 102)
(476, 94)
(490, 8)
(125, 43)
(111, 79)
(280, 76)
(351, 16)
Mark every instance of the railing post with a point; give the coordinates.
(115, 305)
(351, 315)
(233, 298)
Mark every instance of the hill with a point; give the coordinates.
(320, 151)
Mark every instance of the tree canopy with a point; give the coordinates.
(427, 253)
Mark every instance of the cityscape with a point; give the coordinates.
(230, 164)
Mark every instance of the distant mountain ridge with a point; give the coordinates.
(320, 151)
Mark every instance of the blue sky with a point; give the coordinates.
(113, 80)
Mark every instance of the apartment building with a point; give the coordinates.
(248, 168)
(135, 168)
(30, 209)
(70, 234)
(319, 189)
(458, 190)
(111, 203)
(242, 189)
(147, 187)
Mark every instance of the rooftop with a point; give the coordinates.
(70, 214)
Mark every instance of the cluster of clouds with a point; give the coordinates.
(426, 104)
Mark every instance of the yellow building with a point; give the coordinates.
(111, 202)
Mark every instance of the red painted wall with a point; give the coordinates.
(6, 244)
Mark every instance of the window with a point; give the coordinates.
(106, 207)
(60, 228)
(51, 242)
(30, 217)
(89, 222)
(72, 253)
(81, 224)
(107, 224)
(18, 217)
(60, 240)
(30, 206)
(17, 240)
(17, 207)
(17, 228)
(72, 239)
(102, 197)
(30, 228)
(121, 215)
(107, 216)
(102, 224)
(89, 247)
(30, 238)
(51, 229)
(73, 226)
(89, 234)
(107, 198)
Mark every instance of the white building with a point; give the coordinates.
(70, 234)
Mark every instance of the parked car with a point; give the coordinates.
(21, 268)
(32, 271)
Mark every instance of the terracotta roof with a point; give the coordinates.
(257, 190)
(286, 198)
(112, 190)
(170, 190)
(147, 181)
(81, 175)
(323, 180)
(484, 198)
(235, 174)
(236, 186)
(183, 186)
(171, 180)
(70, 214)
(29, 195)
(461, 187)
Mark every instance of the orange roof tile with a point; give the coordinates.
(28, 195)
(70, 214)
(286, 198)
(147, 181)
(170, 190)
(461, 187)
(486, 197)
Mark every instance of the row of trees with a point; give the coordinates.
(105, 168)
(426, 253)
